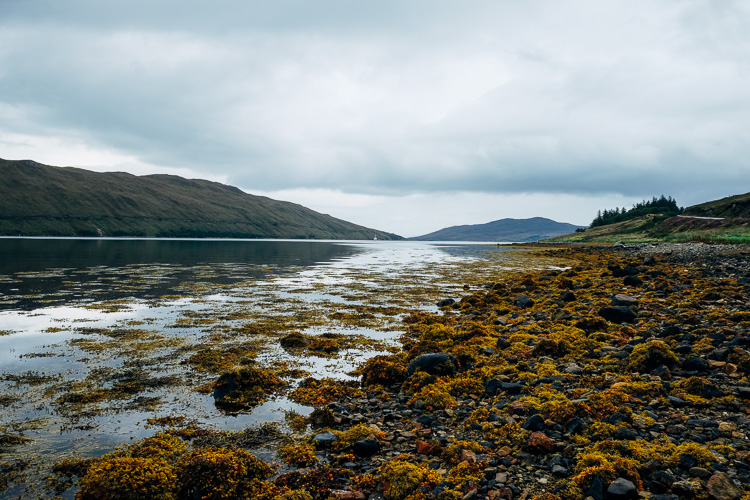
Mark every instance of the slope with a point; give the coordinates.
(41, 200)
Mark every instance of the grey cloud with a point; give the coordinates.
(395, 97)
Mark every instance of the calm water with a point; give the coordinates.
(62, 301)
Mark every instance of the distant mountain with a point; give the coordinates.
(40, 200)
(510, 230)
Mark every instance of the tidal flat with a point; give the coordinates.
(94, 357)
(404, 373)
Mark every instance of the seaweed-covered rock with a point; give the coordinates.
(245, 387)
(651, 355)
(434, 363)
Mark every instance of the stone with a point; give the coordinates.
(695, 364)
(624, 300)
(445, 303)
(721, 487)
(596, 489)
(534, 423)
(621, 489)
(434, 363)
(568, 296)
(619, 314)
(576, 425)
(572, 369)
(347, 495)
(523, 301)
(324, 439)
(492, 386)
(511, 387)
(467, 456)
(539, 444)
(632, 281)
(366, 447)
(662, 372)
(687, 489)
(559, 471)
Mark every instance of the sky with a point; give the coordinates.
(405, 116)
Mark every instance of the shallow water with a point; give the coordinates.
(78, 315)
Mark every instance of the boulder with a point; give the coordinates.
(366, 447)
(523, 301)
(434, 363)
(618, 314)
(621, 489)
(721, 487)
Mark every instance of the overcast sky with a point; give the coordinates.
(405, 116)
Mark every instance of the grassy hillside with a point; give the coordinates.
(533, 229)
(731, 207)
(40, 200)
(721, 221)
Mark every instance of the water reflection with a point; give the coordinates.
(37, 272)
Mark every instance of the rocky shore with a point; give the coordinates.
(622, 375)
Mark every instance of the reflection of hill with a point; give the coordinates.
(58, 270)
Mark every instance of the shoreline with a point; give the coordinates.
(540, 393)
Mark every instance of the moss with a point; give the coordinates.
(401, 478)
(357, 433)
(318, 392)
(651, 355)
(245, 387)
(383, 370)
(466, 474)
(218, 473)
(300, 455)
(128, 478)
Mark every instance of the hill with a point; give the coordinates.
(506, 230)
(730, 207)
(41, 200)
(721, 221)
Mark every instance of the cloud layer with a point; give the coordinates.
(589, 99)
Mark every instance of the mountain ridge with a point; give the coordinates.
(502, 230)
(43, 200)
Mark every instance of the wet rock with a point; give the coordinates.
(597, 489)
(576, 425)
(434, 363)
(621, 489)
(539, 443)
(445, 303)
(324, 439)
(568, 296)
(721, 487)
(662, 372)
(620, 314)
(523, 301)
(366, 447)
(695, 364)
(624, 300)
(534, 423)
(572, 369)
(513, 387)
(632, 281)
(492, 386)
(347, 495)
(688, 489)
(559, 471)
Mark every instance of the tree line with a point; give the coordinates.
(662, 205)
